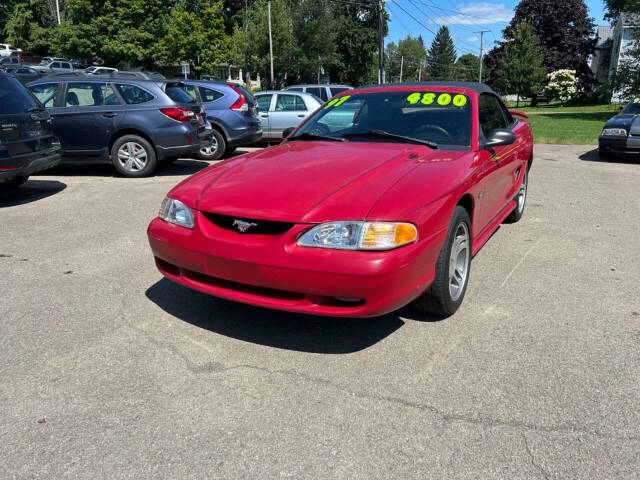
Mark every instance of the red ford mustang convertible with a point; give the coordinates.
(380, 198)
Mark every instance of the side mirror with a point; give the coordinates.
(499, 137)
(287, 132)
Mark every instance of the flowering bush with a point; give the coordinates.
(561, 85)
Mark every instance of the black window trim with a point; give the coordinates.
(122, 100)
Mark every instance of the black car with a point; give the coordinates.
(136, 122)
(621, 133)
(27, 143)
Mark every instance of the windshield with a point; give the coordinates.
(432, 117)
(633, 107)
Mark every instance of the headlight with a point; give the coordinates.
(176, 212)
(351, 235)
(614, 132)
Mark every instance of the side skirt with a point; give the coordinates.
(490, 229)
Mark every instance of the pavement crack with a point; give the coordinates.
(537, 466)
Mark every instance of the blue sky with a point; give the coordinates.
(463, 17)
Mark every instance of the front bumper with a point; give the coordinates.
(272, 271)
(619, 145)
(28, 164)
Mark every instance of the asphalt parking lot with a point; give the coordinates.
(109, 371)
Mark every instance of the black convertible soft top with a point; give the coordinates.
(473, 86)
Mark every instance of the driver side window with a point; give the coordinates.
(491, 114)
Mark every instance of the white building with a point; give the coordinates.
(625, 32)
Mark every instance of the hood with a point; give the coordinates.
(629, 122)
(304, 181)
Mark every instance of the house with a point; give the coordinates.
(625, 32)
(601, 60)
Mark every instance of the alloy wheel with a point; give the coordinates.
(459, 261)
(132, 156)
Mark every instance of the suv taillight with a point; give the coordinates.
(241, 104)
(178, 113)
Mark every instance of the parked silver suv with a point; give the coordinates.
(323, 92)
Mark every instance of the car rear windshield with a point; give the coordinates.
(14, 98)
(633, 107)
(442, 118)
(178, 94)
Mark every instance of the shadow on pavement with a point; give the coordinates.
(272, 328)
(31, 191)
(104, 168)
(594, 156)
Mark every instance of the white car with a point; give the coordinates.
(99, 70)
(7, 50)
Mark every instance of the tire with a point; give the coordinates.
(14, 182)
(230, 150)
(133, 156)
(215, 150)
(447, 292)
(521, 200)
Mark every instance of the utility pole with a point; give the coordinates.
(482, 32)
(401, 65)
(58, 10)
(270, 43)
(420, 71)
(380, 42)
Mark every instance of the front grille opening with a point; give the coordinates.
(247, 226)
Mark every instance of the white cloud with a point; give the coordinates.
(481, 13)
(472, 39)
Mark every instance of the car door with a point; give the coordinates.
(284, 114)
(497, 167)
(264, 107)
(85, 116)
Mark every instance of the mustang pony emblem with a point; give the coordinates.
(243, 226)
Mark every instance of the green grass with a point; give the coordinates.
(568, 125)
(581, 128)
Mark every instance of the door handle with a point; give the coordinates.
(264, 115)
(301, 116)
(109, 114)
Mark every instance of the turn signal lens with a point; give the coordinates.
(388, 235)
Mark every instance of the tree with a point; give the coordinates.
(561, 85)
(195, 34)
(410, 54)
(29, 25)
(467, 68)
(356, 27)
(565, 32)
(442, 55)
(616, 7)
(6, 6)
(520, 70)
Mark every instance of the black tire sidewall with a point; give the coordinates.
(220, 151)
(152, 161)
(460, 215)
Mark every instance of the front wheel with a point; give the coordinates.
(453, 266)
(521, 199)
(133, 156)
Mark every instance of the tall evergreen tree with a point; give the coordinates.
(441, 56)
(520, 70)
(565, 31)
